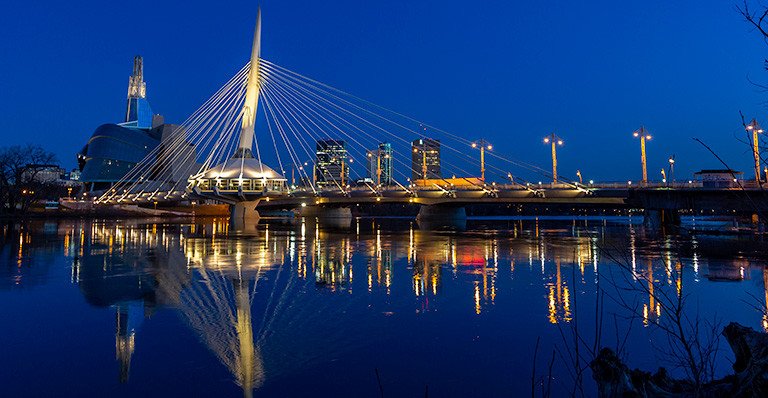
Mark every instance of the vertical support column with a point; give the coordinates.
(643, 158)
(554, 160)
(244, 210)
(442, 216)
(657, 218)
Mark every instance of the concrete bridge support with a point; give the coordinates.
(325, 212)
(442, 216)
(329, 217)
(244, 210)
(657, 218)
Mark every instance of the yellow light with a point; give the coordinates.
(474, 145)
(490, 147)
(546, 140)
(635, 134)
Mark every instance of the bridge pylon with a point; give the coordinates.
(243, 180)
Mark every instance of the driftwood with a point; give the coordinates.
(750, 377)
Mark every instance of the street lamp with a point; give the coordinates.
(755, 129)
(672, 168)
(663, 176)
(578, 174)
(643, 135)
(483, 145)
(378, 164)
(423, 162)
(555, 141)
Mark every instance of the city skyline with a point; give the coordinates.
(384, 190)
(656, 91)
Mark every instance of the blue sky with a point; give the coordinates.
(511, 72)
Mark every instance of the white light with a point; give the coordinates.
(303, 204)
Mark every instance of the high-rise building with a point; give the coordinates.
(425, 157)
(380, 164)
(331, 167)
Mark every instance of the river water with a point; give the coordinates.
(357, 308)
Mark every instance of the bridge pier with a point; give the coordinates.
(329, 217)
(441, 216)
(325, 212)
(244, 210)
(657, 218)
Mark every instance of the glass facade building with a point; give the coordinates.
(331, 168)
(425, 156)
(114, 148)
(380, 164)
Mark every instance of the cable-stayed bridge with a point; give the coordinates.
(320, 146)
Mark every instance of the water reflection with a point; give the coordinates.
(254, 294)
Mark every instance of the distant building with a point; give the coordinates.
(425, 154)
(75, 175)
(380, 164)
(719, 178)
(50, 175)
(43, 173)
(331, 168)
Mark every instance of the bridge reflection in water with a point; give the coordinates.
(254, 298)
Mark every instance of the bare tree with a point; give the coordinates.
(21, 184)
(758, 19)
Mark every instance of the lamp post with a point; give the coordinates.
(672, 168)
(378, 164)
(483, 145)
(755, 129)
(643, 135)
(423, 162)
(555, 141)
(345, 171)
(578, 174)
(663, 176)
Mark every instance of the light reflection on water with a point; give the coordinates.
(287, 301)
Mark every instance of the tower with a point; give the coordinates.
(137, 88)
(331, 159)
(425, 159)
(243, 180)
(138, 113)
(252, 89)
